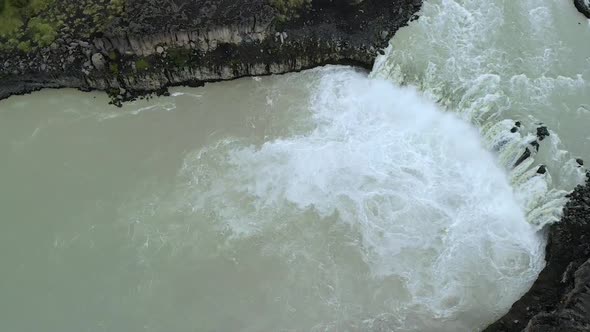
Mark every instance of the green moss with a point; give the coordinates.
(114, 67)
(179, 56)
(42, 21)
(40, 32)
(19, 3)
(114, 56)
(25, 46)
(116, 7)
(43, 32)
(38, 6)
(142, 64)
(10, 21)
(290, 8)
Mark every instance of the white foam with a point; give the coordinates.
(429, 203)
(490, 61)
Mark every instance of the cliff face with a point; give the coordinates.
(559, 301)
(153, 44)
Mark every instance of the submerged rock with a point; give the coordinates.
(542, 132)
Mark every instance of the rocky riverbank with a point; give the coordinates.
(143, 46)
(559, 301)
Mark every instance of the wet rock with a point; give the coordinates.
(536, 145)
(542, 132)
(514, 129)
(580, 162)
(542, 169)
(518, 124)
(583, 6)
(526, 154)
(98, 61)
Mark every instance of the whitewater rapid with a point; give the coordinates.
(509, 67)
(428, 210)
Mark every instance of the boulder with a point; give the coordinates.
(98, 61)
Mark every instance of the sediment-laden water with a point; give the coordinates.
(327, 200)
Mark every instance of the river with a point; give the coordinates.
(326, 200)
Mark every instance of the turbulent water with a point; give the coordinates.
(328, 200)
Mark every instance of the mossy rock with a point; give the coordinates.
(142, 64)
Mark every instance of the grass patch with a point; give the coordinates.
(290, 8)
(25, 46)
(37, 31)
(114, 67)
(43, 32)
(40, 22)
(180, 56)
(10, 21)
(142, 64)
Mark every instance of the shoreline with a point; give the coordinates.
(142, 54)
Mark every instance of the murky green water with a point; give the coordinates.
(318, 201)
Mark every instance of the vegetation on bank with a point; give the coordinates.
(289, 8)
(26, 25)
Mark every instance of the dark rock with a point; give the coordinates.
(580, 162)
(526, 154)
(542, 169)
(536, 145)
(514, 129)
(518, 124)
(184, 42)
(559, 300)
(583, 6)
(542, 132)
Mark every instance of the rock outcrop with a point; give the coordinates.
(156, 44)
(583, 6)
(559, 300)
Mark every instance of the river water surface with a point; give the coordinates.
(327, 200)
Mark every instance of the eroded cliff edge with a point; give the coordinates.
(131, 47)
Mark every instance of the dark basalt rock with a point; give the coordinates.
(559, 300)
(542, 169)
(542, 132)
(583, 6)
(155, 44)
(580, 162)
(527, 153)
